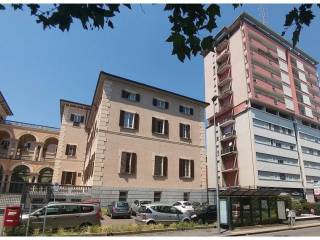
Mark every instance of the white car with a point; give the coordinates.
(184, 206)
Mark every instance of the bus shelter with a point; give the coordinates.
(245, 207)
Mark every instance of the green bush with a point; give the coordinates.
(317, 208)
(297, 207)
(17, 231)
(104, 211)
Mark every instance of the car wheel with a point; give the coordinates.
(84, 226)
(151, 222)
(200, 221)
(186, 220)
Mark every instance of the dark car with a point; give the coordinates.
(119, 209)
(205, 214)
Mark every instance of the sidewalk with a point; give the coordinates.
(272, 228)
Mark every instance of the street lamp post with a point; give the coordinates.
(215, 159)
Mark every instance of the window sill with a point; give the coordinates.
(128, 129)
(160, 134)
(71, 157)
(185, 139)
(186, 178)
(159, 176)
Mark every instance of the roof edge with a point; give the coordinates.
(5, 105)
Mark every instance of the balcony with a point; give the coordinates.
(222, 46)
(274, 82)
(266, 64)
(228, 136)
(228, 151)
(226, 122)
(234, 169)
(223, 55)
(225, 93)
(261, 41)
(224, 66)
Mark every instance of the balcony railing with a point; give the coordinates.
(222, 46)
(227, 121)
(223, 67)
(228, 150)
(228, 135)
(224, 93)
(29, 125)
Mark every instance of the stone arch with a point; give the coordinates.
(19, 177)
(4, 143)
(50, 147)
(45, 175)
(19, 136)
(26, 146)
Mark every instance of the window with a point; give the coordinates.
(186, 110)
(128, 163)
(160, 166)
(186, 168)
(186, 196)
(68, 178)
(185, 131)
(160, 103)
(129, 120)
(157, 196)
(160, 126)
(282, 176)
(71, 150)
(76, 119)
(70, 209)
(123, 195)
(5, 144)
(131, 96)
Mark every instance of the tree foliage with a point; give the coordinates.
(191, 24)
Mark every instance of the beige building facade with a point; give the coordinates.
(133, 142)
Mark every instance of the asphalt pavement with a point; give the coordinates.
(303, 232)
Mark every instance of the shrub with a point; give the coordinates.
(317, 208)
(104, 211)
(297, 207)
(16, 231)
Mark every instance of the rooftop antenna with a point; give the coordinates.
(263, 14)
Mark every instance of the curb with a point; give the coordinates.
(284, 228)
(142, 232)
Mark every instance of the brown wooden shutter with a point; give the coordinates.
(82, 119)
(136, 121)
(188, 131)
(181, 130)
(166, 105)
(181, 168)
(137, 97)
(165, 166)
(74, 176)
(123, 162)
(75, 150)
(63, 178)
(121, 119)
(153, 124)
(133, 163)
(67, 149)
(192, 168)
(166, 127)
(72, 117)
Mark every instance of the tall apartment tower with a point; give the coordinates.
(267, 111)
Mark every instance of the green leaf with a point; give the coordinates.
(110, 24)
(2, 7)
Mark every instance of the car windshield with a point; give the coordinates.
(187, 204)
(145, 202)
(122, 204)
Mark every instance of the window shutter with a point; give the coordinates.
(180, 108)
(153, 124)
(72, 117)
(181, 130)
(63, 178)
(136, 121)
(154, 102)
(181, 168)
(121, 119)
(165, 166)
(133, 163)
(191, 111)
(123, 162)
(166, 127)
(192, 168)
(166, 105)
(67, 149)
(74, 175)
(75, 150)
(124, 94)
(137, 97)
(188, 131)
(82, 119)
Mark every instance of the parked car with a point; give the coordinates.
(137, 204)
(64, 215)
(205, 214)
(160, 213)
(119, 209)
(184, 206)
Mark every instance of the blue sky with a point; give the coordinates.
(38, 68)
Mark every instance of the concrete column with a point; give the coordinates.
(35, 152)
(2, 182)
(40, 157)
(8, 182)
(13, 147)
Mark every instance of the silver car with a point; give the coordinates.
(160, 213)
(64, 215)
(137, 204)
